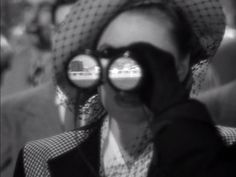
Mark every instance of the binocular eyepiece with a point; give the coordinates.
(123, 73)
(129, 69)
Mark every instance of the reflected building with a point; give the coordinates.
(76, 66)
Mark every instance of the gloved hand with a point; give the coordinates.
(185, 137)
(161, 87)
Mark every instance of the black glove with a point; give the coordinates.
(161, 87)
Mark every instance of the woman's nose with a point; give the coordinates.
(104, 64)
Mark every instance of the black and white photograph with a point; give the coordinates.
(118, 88)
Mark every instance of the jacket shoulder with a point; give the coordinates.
(228, 134)
(37, 153)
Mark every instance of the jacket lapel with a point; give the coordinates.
(81, 161)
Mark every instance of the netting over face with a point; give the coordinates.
(199, 71)
(92, 109)
(88, 17)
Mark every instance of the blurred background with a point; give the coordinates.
(26, 27)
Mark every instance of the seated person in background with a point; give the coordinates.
(165, 39)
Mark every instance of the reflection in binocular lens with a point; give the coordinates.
(125, 73)
(83, 71)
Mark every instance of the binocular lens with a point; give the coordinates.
(123, 73)
(84, 71)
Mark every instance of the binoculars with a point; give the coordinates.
(132, 69)
(123, 72)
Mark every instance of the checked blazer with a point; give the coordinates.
(74, 153)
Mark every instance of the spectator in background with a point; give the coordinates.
(6, 56)
(41, 25)
(23, 44)
(32, 114)
(220, 96)
(48, 16)
(229, 9)
(40, 29)
(60, 10)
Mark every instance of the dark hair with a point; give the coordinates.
(57, 5)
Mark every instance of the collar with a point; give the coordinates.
(82, 160)
(112, 159)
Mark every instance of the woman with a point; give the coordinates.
(129, 139)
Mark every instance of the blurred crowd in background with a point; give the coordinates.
(26, 27)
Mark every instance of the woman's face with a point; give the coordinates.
(125, 30)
